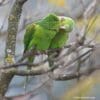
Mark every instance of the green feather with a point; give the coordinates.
(50, 22)
(42, 38)
(59, 40)
(30, 29)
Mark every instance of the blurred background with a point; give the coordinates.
(34, 10)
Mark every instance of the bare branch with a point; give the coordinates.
(65, 77)
(41, 70)
(14, 17)
(90, 10)
(4, 2)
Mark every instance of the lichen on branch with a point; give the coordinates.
(14, 17)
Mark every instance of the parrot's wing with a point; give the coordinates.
(28, 36)
(42, 38)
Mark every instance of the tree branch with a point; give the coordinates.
(5, 77)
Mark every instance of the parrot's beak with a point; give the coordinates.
(64, 27)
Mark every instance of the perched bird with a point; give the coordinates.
(61, 37)
(49, 33)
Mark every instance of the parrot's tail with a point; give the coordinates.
(27, 80)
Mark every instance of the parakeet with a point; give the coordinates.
(48, 33)
(66, 26)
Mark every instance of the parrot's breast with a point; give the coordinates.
(42, 38)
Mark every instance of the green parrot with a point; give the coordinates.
(49, 33)
(60, 39)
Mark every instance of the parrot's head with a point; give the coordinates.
(66, 23)
(51, 21)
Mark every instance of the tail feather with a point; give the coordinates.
(30, 60)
